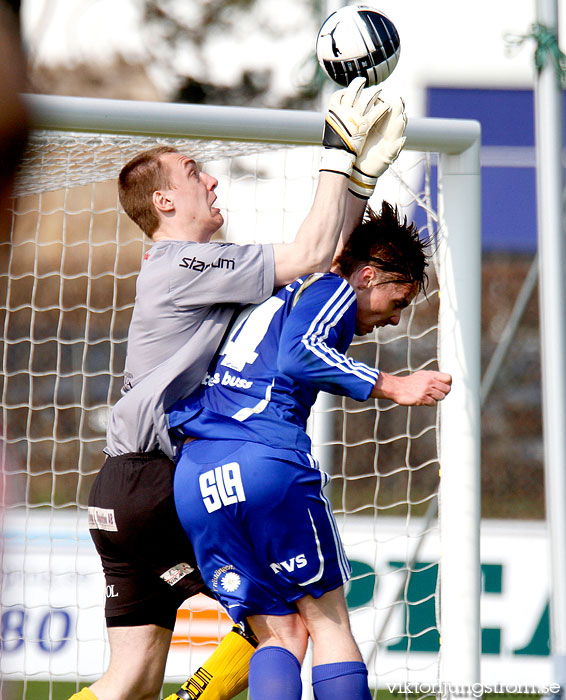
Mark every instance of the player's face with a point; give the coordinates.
(380, 303)
(193, 194)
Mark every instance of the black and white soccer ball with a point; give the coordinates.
(357, 40)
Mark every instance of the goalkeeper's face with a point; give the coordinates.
(380, 302)
(192, 192)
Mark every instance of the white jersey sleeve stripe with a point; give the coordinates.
(332, 311)
(315, 337)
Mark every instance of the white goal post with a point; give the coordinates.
(114, 130)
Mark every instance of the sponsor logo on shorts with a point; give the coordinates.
(199, 265)
(222, 486)
(111, 591)
(226, 577)
(102, 519)
(176, 573)
(230, 582)
(290, 565)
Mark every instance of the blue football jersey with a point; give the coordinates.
(278, 355)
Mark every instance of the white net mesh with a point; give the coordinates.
(67, 287)
(57, 160)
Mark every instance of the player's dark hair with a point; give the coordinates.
(137, 182)
(388, 243)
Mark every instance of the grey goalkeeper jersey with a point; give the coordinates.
(186, 294)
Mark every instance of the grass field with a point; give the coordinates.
(36, 690)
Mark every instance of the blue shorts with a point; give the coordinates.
(262, 530)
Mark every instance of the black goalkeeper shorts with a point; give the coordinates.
(148, 561)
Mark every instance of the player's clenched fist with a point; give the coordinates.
(422, 388)
(351, 114)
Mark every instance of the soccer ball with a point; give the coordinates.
(357, 40)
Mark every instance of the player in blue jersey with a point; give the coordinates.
(186, 294)
(248, 492)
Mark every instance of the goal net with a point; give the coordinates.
(67, 282)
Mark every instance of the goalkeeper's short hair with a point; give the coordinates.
(138, 180)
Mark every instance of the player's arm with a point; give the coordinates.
(314, 359)
(316, 240)
(352, 112)
(313, 345)
(422, 388)
(354, 214)
(316, 336)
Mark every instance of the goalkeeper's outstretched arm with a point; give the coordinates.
(384, 142)
(352, 112)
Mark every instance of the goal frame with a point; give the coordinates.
(457, 143)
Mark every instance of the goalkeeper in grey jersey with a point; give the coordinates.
(187, 291)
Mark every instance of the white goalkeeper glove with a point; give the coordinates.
(351, 113)
(382, 147)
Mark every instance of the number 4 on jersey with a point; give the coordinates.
(241, 350)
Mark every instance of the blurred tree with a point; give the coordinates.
(240, 52)
(187, 43)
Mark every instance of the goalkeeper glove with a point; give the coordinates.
(382, 146)
(351, 113)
